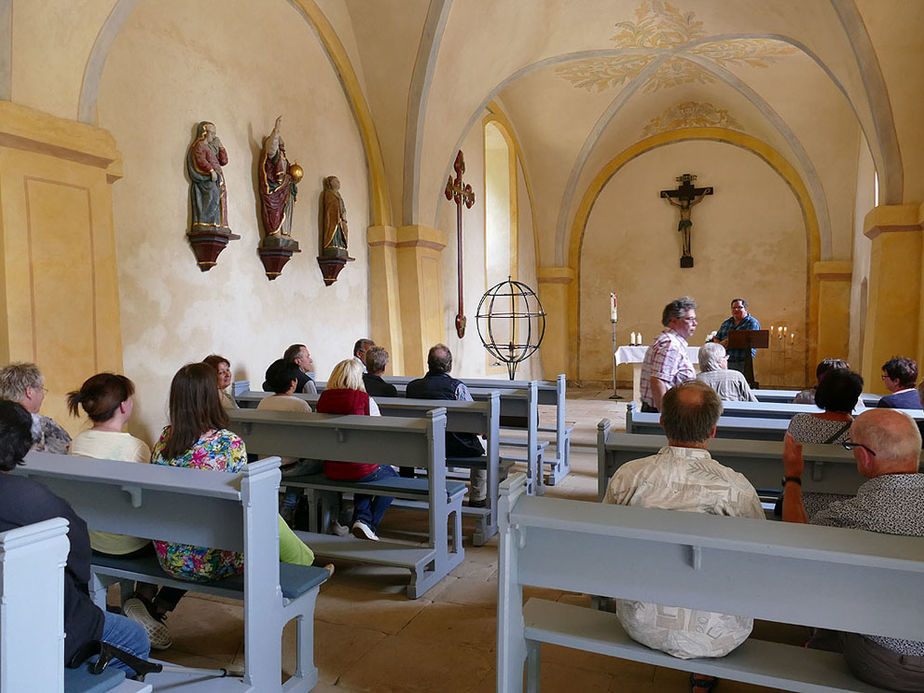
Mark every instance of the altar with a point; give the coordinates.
(635, 355)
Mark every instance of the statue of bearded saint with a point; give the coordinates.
(277, 191)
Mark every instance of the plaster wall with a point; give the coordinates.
(164, 74)
(859, 288)
(743, 244)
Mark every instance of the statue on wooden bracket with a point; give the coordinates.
(334, 231)
(209, 232)
(278, 180)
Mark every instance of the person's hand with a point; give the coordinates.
(213, 175)
(724, 343)
(793, 464)
(278, 124)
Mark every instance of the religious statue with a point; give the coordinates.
(278, 191)
(686, 197)
(334, 232)
(207, 191)
(209, 232)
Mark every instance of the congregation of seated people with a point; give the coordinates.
(681, 476)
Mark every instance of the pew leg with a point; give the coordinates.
(455, 517)
(98, 588)
(306, 673)
(533, 665)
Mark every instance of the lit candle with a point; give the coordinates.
(613, 315)
(792, 337)
(638, 339)
(632, 339)
(785, 330)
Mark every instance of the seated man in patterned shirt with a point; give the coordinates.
(666, 363)
(683, 476)
(730, 386)
(886, 444)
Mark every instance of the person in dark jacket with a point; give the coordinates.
(438, 384)
(376, 360)
(899, 376)
(25, 502)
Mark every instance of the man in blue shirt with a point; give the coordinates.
(740, 320)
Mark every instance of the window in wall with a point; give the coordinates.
(500, 223)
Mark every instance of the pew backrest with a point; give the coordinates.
(32, 560)
(751, 428)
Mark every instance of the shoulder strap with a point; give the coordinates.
(838, 433)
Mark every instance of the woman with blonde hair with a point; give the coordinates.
(346, 394)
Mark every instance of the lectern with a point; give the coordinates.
(747, 340)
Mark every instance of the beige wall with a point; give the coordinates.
(859, 289)
(176, 63)
(748, 240)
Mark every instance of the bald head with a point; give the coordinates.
(689, 413)
(893, 436)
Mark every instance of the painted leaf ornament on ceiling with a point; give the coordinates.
(659, 30)
(690, 114)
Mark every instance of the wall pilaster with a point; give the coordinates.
(384, 294)
(418, 250)
(833, 308)
(554, 285)
(59, 290)
(894, 315)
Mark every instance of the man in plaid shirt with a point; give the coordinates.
(666, 363)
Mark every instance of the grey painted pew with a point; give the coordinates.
(787, 396)
(749, 428)
(769, 570)
(516, 414)
(32, 560)
(380, 439)
(237, 512)
(785, 410)
(829, 468)
(482, 418)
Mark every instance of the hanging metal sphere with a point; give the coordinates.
(510, 322)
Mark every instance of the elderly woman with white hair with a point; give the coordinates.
(731, 386)
(24, 384)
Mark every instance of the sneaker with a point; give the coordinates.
(339, 529)
(363, 531)
(158, 634)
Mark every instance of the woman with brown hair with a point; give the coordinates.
(106, 398)
(197, 438)
(222, 367)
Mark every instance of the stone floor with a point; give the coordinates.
(370, 636)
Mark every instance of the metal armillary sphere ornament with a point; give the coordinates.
(511, 323)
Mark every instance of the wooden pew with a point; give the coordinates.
(828, 468)
(482, 418)
(749, 428)
(768, 570)
(237, 512)
(380, 439)
(787, 396)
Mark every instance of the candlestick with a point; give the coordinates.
(613, 313)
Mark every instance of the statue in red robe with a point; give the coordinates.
(277, 191)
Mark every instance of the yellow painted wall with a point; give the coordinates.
(176, 63)
(749, 240)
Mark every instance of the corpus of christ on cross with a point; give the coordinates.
(685, 196)
(460, 194)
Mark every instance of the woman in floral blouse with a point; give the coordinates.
(197, 438)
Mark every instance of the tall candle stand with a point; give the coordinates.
(615, 395)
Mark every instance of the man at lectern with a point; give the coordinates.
(740, 319)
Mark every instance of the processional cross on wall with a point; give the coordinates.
(685, 196)
(460, 194)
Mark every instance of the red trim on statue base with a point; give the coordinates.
(207, 246)
(274, 259)
(331, 267)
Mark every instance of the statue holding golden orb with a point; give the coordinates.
(278, 181)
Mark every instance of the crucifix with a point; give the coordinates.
(685, 196)
(460, 194)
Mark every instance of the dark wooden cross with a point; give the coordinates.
(460, 194)
(685, 196)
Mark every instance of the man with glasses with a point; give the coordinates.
(666, 363)
(886, 445)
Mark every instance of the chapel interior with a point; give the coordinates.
(804, 116)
